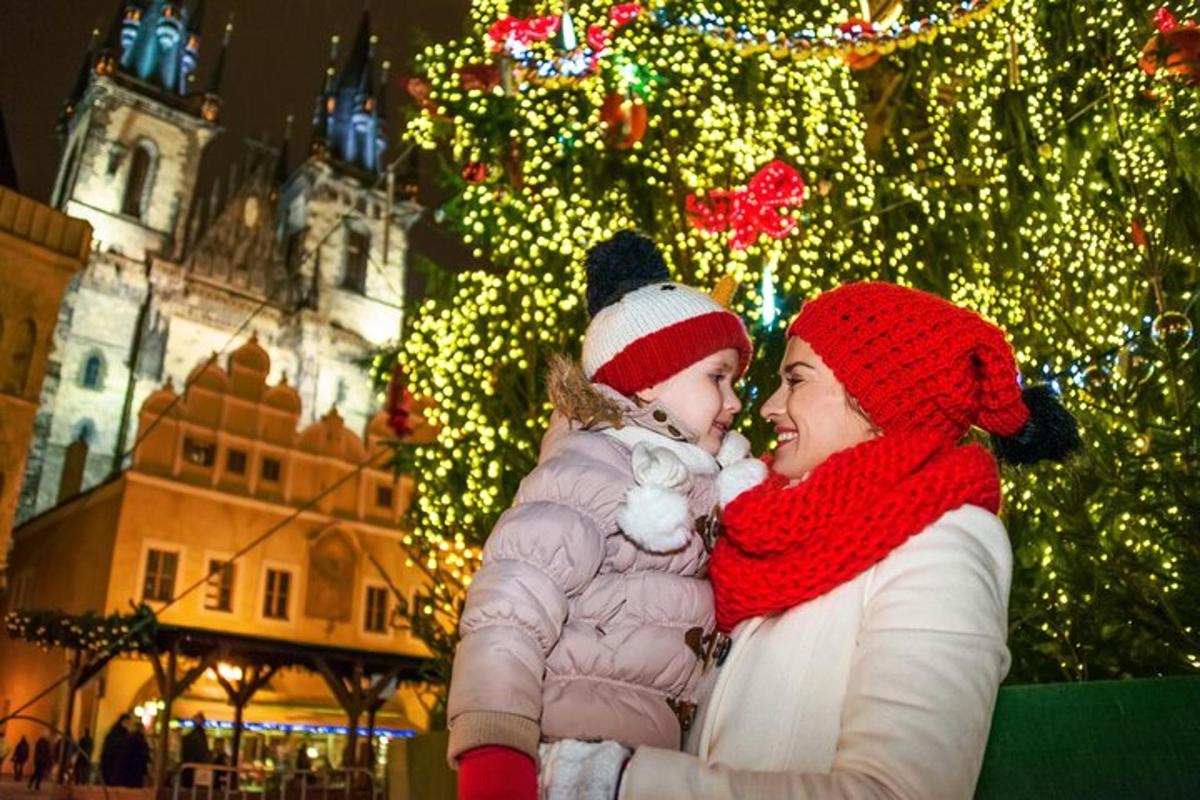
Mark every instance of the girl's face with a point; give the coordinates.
(701, 397)
(812, 413)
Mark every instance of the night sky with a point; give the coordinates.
(274, 68)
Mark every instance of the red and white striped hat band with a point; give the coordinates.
(656, 331)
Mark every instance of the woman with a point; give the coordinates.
(866, 581)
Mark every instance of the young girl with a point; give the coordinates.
(590, 617)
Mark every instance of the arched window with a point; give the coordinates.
(20, 361)
(92, 375)
(357, 252)
(137, 185)
(85, 431)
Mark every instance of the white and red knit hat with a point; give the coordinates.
(645, 328)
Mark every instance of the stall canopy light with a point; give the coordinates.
(284, 727)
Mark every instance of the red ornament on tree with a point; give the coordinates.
(598, 38)
(866, 33)
(747, 213)
(479, 77)
(521, 32)
(475, 172)
(1174, 47)
(420, 90)
(626, 119)
(1137, 232)
(399, 403)
(624, 13)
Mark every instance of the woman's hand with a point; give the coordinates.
(575, 770)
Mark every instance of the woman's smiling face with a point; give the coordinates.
(813, 415)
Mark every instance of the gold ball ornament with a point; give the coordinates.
(1172, 330)
(1133, 368)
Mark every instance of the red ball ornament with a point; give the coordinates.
(626, 119)
(475, 172)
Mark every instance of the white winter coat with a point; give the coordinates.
(881, 688)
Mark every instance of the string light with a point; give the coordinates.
(1004, 181)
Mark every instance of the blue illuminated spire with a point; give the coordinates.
(155, 41)
(348, 121)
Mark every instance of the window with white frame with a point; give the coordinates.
(277, 593)
(161, 569)
(218, 590)
(375, 610)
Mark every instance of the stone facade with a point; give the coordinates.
(296, 257)
(40, 251)
(225, 461)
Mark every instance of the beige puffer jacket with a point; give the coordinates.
(590, 617)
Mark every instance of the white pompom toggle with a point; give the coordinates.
(655, 518)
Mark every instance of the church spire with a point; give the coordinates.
(356, 74)
(325, 103)
(348, 121)
(82, 79)
(155, 41)
(281, 161)
(210, 107)
(121, 33)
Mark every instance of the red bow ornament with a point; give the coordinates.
(521, 31)
(624, 13)
(754, 210)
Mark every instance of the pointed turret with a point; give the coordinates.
(348, 121)
(122, 28)
(82, 79)
(191, 50)
(357, 71)
(210, 107)
(325, 104)
(280, 175)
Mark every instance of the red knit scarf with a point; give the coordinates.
(785, 545)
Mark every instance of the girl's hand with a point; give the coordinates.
(494, 772)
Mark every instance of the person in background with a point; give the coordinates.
(43, 758)
(135, 757)
(221, 759)
(194, 750)
(110, 751)
(83, 759)
(19, 757)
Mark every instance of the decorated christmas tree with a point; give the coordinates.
(1036, 160)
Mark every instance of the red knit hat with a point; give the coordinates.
(914, 361)
(644, 327)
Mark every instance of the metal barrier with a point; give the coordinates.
(216, 782)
